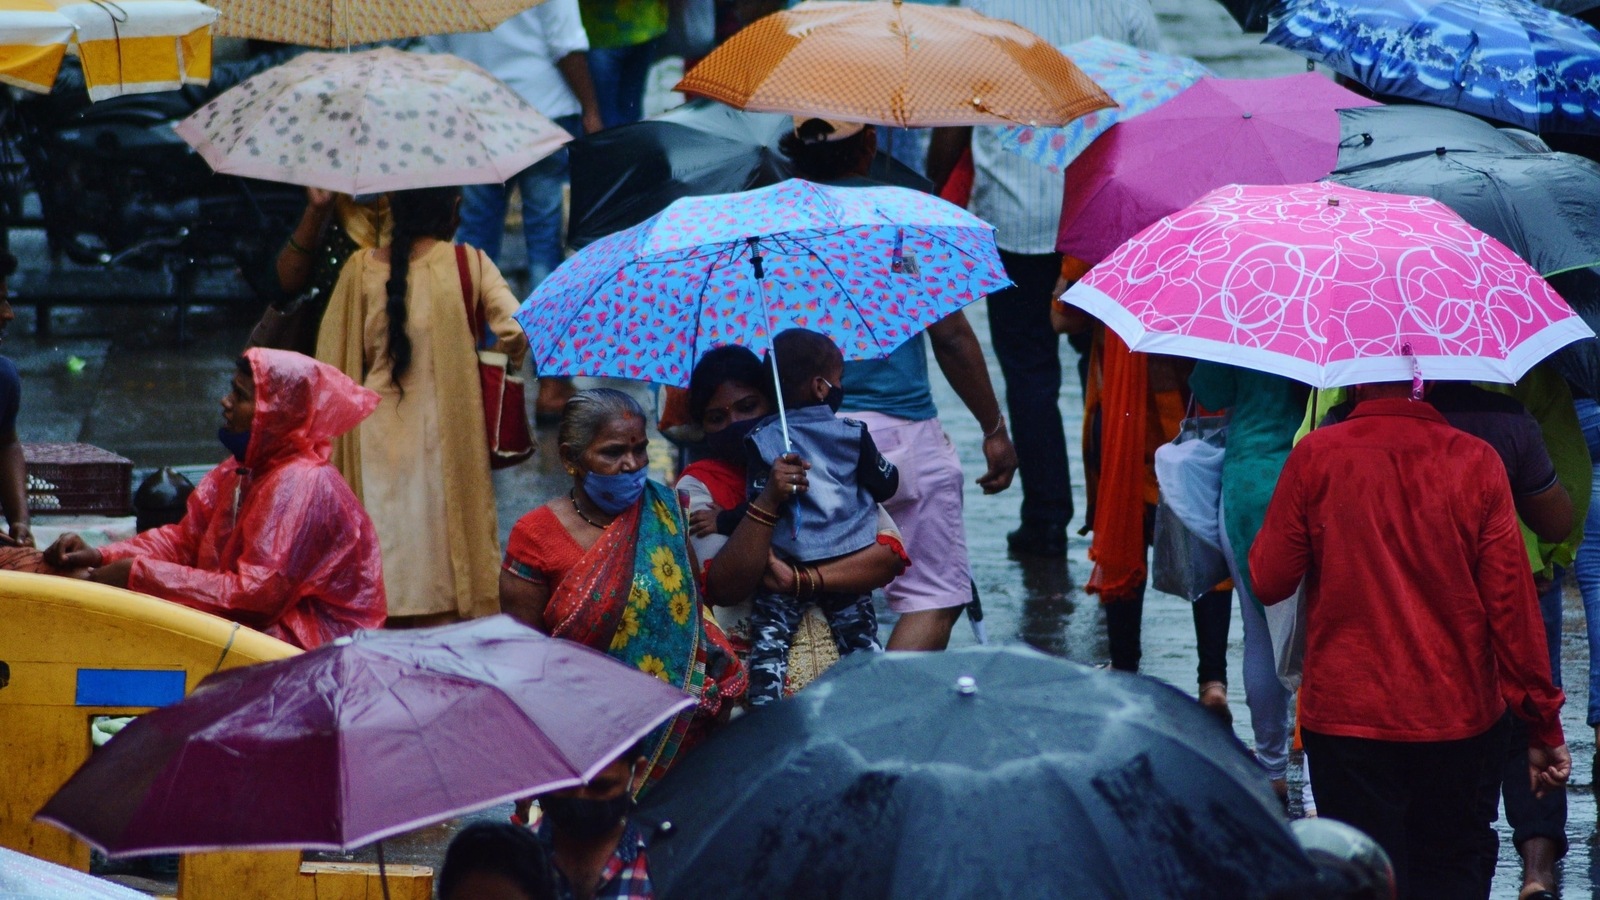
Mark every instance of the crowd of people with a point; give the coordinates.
(1423, 535)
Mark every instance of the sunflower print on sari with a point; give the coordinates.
(666, 568)
(666, 517)
(627, 628)
(651, 665)
(679, 605)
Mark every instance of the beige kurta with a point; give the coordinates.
(420, 463)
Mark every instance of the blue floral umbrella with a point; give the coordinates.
(1509, 60)
(868, 266)
(1139, 80)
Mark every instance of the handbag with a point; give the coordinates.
(505, 403)
(1187, 558)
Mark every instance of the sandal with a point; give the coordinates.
(1214, 698)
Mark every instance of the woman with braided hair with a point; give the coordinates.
(398, 323)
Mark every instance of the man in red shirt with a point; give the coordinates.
(1422, 627)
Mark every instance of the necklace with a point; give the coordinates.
(573, 496)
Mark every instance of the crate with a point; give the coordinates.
(77, 479)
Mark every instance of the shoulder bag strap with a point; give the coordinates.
(466, 295)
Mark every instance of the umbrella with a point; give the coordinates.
(892, 63)
(1253, 16)
(983, 772)
(1378, 135)
(1138, 80)
(1509, 60)
(342, 23)
(1331, 286)
(1544, 206)
(23, 877)
(127, 47)
(868, 266)
(624, 175)
(361, 739)
(377, 120)
(1219, 131)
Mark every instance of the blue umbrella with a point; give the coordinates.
(1509, 60)
(870, 267)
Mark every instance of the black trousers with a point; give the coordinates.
(1029, 352)
(1213, 614)
(1528, 816)
(1419, 801)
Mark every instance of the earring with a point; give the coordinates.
(572, 471)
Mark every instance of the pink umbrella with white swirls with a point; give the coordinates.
(1331, 286)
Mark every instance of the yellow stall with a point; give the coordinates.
(73, 650)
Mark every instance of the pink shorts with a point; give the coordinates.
(927, 510)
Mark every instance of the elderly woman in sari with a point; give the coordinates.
(607, 565)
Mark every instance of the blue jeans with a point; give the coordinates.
(1588, 563)
(483, 210)
(619, 75)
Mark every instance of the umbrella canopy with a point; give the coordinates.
(965, 774)
(360, 739)
(1331, 286)
(342, 23)
(23, 877)
(377, 120)
(868, 266)
(1219, 131)
(127, 47)
(1138, 80)
(1378, 135)
(1253, 16)
(624, 175)
(1544, 206)
(893, 63)
(1510, 60)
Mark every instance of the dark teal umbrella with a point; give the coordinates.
(985, 772)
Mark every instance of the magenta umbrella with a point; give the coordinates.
(361, 739)
(1219, 131)
(1329, 285)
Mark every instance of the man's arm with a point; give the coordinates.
(1548, 514)
(960, 358)
(875, 474)
(14, 489)
(944, 152)
(1281, 554)
(574, 68)
(178, 542)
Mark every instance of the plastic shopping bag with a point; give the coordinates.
(1286, 623)
(1187, 558)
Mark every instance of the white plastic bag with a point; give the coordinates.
(1187, 557)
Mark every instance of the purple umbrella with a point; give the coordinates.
(361, 739)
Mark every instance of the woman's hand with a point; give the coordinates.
(71, 552)
(703, 521)
(319, 198)
(779, 577)
(788, 478)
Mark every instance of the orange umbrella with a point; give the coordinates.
(890, 63)
(341, 23)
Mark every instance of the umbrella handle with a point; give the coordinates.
(783, 414)
(383, 873)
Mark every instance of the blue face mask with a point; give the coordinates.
(237, 442)
(614, 493)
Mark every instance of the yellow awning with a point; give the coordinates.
(127, 46)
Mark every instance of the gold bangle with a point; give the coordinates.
(295, 246)
(795, 570)
(760, 518)
(817, 572)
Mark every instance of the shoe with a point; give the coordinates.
(1539, 895)
(1280, 787)
(1214, 697)
(1047, 541)
(553, 396)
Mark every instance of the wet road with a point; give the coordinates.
(117, 379)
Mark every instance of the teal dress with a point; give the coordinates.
(1264, 413)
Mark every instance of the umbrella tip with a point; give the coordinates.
(966, 686)
(343, 641)
(1438, 151)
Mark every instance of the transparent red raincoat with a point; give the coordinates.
(279, 543)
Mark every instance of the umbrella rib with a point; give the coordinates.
(731, 250)
(578, 307)
(842, 289)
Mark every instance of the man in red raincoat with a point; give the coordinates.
(272, 538)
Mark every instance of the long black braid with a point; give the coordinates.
(425, 212)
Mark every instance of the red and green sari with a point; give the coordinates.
(635, 597)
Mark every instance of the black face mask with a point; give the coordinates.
(728, 443)
(835, 396)
(585, 820)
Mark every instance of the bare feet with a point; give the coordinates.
(1214, 697)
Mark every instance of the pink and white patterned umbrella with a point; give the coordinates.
(1331, 286)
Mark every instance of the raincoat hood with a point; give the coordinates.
(301, 406)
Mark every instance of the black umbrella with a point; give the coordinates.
(1376, 135)
(622, 176)
(985, 772)
(1252, 15)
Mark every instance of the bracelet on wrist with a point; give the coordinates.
(760, 516)
(999, 426)
(295, 246)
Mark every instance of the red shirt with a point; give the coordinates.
(1421, 619)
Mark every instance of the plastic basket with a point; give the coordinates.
(77, 479)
